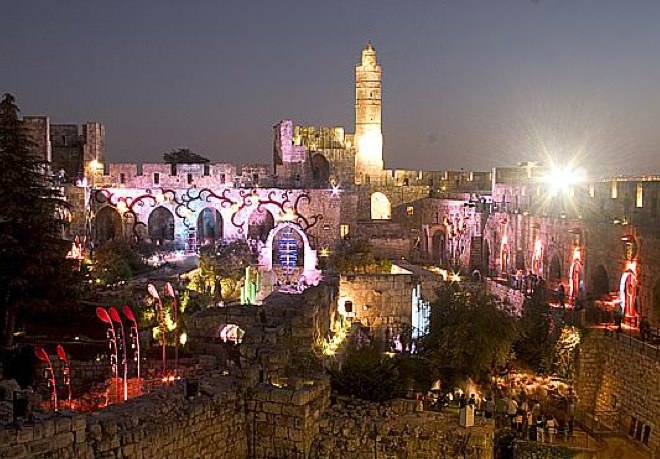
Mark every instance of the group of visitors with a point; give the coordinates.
(529, 284)
(535, 412)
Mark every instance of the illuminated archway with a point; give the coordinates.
(260, 223)
(537, 258)
(600, 282)
(381, 209)
(628, 292)
(209, 226)
(504, 254)
(555, 268)
(320, 170)
(231, 333)
(161, 225)
(107, 224)
(438, 247)
(575, 275)
(310, 259)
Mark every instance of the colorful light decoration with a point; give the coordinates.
(111, 336)
(628, 291)
(42, 355)
(151, 288)
(169, 291)
(135, 336)
(185, 204)
(114, 315)
(66, 370)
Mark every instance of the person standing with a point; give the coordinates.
(511, 410)
(551, 425)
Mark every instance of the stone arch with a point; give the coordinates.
(381, 209)
(293, 248)
(230, 333)
(438, 247)
(260, 223)
(320, 169)
(309, 255)
(209, 226)
(161, 225)
(600, 282)
(554, 270)
(107, 224)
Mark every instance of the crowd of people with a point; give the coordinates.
(536, 408)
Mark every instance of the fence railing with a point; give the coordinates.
(635, 344)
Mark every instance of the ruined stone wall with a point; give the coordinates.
(161, 424)
(618, 379)
(284, 421)
(380, 301)
(510, 296)
(358, 429)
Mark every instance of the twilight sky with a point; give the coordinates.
(470, 84)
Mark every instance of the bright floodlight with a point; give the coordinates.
(561, 179)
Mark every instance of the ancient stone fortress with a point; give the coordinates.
(598, 238)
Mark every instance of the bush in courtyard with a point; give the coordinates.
(369, 374)
(115, 261)
(356, 256)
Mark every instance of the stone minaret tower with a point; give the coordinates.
(368, 133)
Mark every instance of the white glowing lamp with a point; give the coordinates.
(561, 179)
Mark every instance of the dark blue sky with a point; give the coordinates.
(468, 84)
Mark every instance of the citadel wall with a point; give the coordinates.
(618, 382)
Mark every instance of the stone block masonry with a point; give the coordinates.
(161, 424)
(618, 380)
(358, 429)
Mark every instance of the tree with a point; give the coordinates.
(34, 271)
(536, 341)
(115, 261)
(470, 332)
(184, 156)
(221, 270)
(356, 256)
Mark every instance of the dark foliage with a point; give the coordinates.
(34, 273)
(369, 374)
(536, 343)
(356, 256)
(184, 156)
(470, 331)
(117, 260)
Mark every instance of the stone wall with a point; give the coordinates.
(379, 300)
(285, 420)
(510, 296)
(618, 379)
(353, 428)
(536, 450)
(161, 424)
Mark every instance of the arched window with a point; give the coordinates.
(161, 225)
(107, 224)
(381, 208)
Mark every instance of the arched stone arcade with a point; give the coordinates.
(107, 225)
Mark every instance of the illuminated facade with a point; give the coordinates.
(598, 239)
